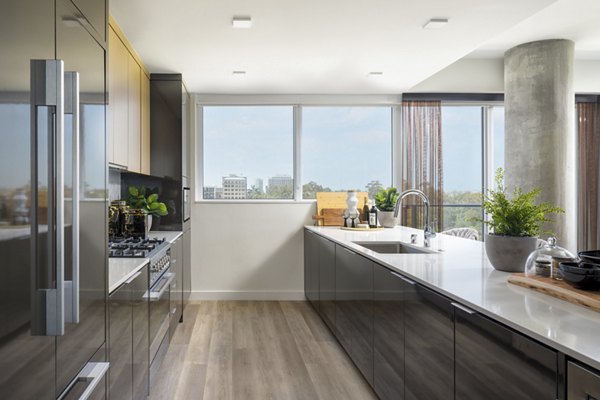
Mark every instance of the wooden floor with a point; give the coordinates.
(256, 350)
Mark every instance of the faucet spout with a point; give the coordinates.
(428, 230)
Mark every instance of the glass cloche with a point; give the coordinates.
(544, 261)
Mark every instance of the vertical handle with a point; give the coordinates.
(71, 106)
(47, 257)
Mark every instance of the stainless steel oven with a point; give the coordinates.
(159, 311)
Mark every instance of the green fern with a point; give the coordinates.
(519, 216)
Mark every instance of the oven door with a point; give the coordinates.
(159, 311)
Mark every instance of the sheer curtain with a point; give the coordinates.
(421, 166)
(588, 132)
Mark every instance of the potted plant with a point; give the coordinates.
(515, 224)
(149, 205)
(385, 201)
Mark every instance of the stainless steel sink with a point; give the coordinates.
(393, 248)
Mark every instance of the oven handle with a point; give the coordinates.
(156, 294)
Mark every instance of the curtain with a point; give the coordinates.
(421, 166)
(588, 133)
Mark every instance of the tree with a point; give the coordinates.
(280, 191)
(255, 193)
(310, 189)
(373, 188)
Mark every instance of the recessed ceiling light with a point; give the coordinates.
(242, 22)
(436, 23)
(374, 74)
(239, 72)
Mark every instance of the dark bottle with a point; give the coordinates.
(365, 211)
(373, 217)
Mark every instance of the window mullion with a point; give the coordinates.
(297, 153)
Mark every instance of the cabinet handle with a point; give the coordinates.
(397, 275)
(349, 251)
(128, 281)
(463, 308)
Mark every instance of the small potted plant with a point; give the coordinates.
(515, 224)
(385, 201)
(149, 205)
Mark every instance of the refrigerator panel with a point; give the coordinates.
(85, 330)
(27, 361)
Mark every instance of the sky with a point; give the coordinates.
(342, 147)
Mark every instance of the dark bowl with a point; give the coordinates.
(592, 256)
(580, 277)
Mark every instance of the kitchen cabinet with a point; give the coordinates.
(94, 12)
(388, 333)
(129, 106)
(428, 345)
(326, 272)
(176, 299)
(583, 383)
(129, 338)
(495, 362)
(187, 264)
(354, 308)
(311, 268)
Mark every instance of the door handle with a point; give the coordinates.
(47, 277)
(92, 374)
(156, 295)
(463, 308)
(71, 106)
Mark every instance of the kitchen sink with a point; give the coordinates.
(393, 248)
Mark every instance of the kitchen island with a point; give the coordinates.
(456, 283)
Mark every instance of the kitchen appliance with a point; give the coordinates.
(53, 203)
(158, 251)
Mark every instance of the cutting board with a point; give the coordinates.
(559, 289)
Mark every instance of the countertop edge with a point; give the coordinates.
(117, 284)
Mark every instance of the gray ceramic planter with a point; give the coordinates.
(509, 253)
(386, 219)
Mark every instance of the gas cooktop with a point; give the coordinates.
(134, 247)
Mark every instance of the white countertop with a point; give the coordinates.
(121, 269)
(170, 236)
(461, 271)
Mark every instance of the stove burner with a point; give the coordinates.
(132, 247)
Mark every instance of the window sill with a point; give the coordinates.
(258, 201)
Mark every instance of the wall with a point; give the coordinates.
(586, 76)
(249, 251)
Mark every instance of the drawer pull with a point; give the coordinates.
(397, 275)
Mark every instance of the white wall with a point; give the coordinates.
(586, 76)
(249, 251)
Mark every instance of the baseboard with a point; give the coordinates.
(246, 295)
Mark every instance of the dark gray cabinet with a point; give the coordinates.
(176, 297)
(388, 333)
(496, 363)
(582, 382)
(311, 268)
(354, 308)
(129, 339)
(187, 264)
(428, 345)
(327, 281)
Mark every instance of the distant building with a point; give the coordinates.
(281, 180)
(259, 185)
(235, 187)
(210, 192)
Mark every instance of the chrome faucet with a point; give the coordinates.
(428, 231)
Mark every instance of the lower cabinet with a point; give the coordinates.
(494, 362)
(176, 299)
(327, 281)
(128, 339)
(354, 308)
(582, 382)
(428, 345)
(388, 333)
(311, 268)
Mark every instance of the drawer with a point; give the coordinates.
(582, 383)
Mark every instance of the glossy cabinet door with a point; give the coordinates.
(118, 99)
(327, 281)
(354, 308)
(140, 335)
(429, 345)
(134, 99)
(176, 300)
(388, 337)
(494, 362)
(311, 267)
(120, 340)
(187, 264)
(95, 12)
(145, 124)
(81, 53)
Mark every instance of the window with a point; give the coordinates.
(462, 166)
(346, 148)
(248, 152)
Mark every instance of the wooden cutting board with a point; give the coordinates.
(559, 289)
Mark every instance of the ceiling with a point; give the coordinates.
(329, 47)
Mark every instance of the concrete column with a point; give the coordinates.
(539, 127)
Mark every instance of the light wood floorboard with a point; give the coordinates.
(230, 350)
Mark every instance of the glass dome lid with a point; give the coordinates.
(544, 261)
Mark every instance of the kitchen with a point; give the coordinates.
(225, 125)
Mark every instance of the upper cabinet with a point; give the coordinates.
(128, 105)
(95, 12)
